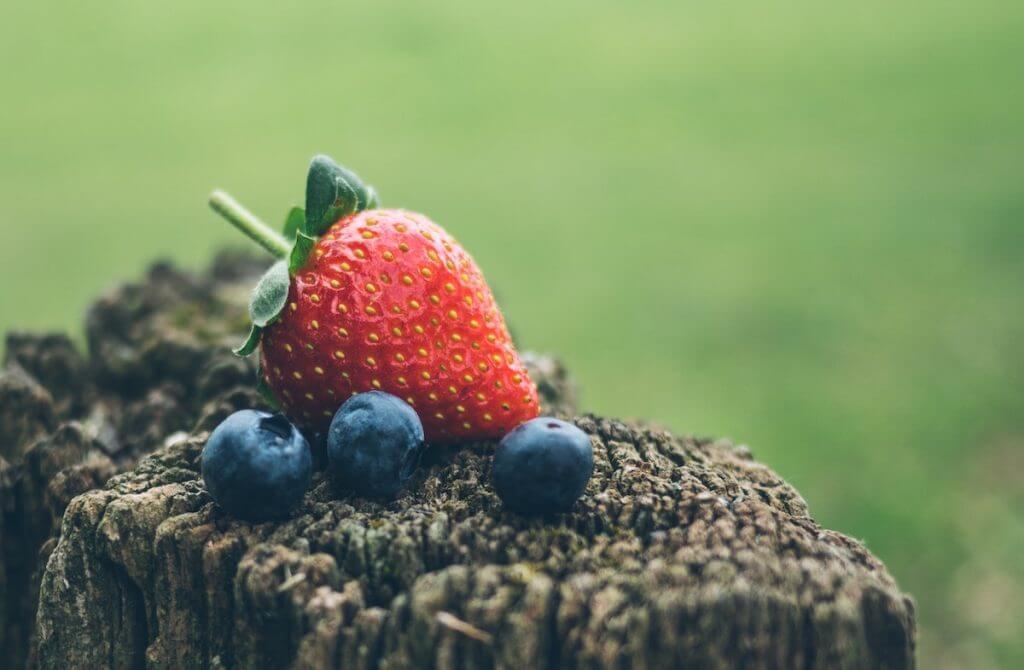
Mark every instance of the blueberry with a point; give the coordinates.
(542, 466)
(257, 466)
(374, 444)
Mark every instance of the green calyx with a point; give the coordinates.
(332, 192)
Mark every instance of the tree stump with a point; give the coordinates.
(683, 552)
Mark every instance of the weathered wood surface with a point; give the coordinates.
(682, 553)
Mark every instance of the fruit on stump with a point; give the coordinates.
(368, 299)
(257, 466)
(374, 444)
(542, 466)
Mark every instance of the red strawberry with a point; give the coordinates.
(387, 300)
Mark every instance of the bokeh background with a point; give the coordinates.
(798, 224)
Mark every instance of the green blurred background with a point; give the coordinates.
(798, 224)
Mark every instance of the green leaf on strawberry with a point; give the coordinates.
(372, 199)
(270, 295)
(268, 300)
(332, 192)
(294, 222)
(251, 342)
(300, 251)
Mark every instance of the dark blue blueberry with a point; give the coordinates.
(542, 466)
(257, 466)
(374, 444)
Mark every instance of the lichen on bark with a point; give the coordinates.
(682, 553)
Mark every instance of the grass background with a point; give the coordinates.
(798, 224)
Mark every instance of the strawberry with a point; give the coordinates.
(379, 299)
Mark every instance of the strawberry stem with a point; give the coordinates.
(250, 224)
